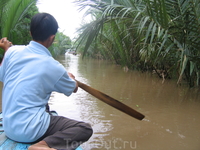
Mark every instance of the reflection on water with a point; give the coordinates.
(172, 113)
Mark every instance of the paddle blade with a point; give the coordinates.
(111, 101)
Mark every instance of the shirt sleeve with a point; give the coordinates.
(65, 85)
(2, 66)
(0, 74)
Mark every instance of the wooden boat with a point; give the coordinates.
(8, 144)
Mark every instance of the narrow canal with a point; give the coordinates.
(172, 113)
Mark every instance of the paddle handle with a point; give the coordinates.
(111, 101)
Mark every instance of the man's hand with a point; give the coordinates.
(5, 44)
(73, 77)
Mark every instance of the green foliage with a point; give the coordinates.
(143, 34)
(15, 17)
(60, 45)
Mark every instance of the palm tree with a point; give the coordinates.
(160, 34)
(12, 15)
(15, 17)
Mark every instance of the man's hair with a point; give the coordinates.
(43, 25)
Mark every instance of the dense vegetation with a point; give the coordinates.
(159, 35)
(15, 17)
(60, 45)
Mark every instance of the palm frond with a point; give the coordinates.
(13, 11)
(167, 34)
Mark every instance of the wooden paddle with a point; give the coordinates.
(111, 101)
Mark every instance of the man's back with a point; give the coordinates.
(28, 73)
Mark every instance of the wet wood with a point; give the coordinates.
(111, 101)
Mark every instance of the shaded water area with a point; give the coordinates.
(172, 113)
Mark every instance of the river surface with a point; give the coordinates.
(172, 114)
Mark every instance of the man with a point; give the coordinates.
(29, 75)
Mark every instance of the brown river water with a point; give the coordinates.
(172, 113)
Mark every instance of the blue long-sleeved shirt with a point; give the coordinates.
(29, 75)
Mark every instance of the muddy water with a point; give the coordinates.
(172, 113)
